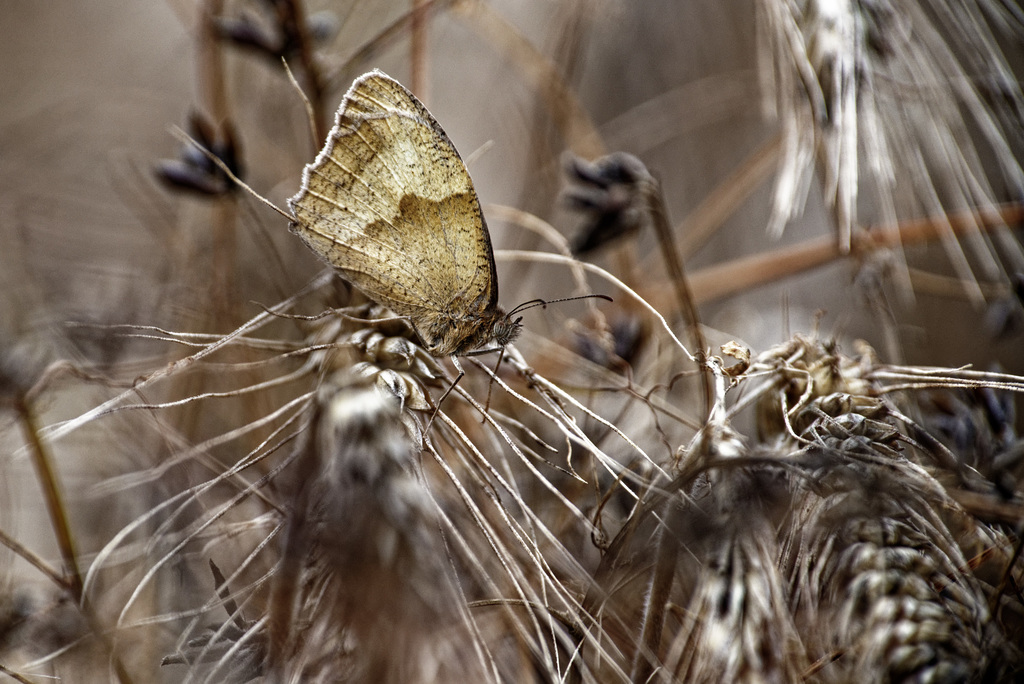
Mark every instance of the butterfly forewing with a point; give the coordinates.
(389, 202)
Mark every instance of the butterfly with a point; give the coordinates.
(390, 204)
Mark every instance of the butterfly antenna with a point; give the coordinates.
(544, 302)
(219, 163)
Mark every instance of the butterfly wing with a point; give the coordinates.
(389, 202)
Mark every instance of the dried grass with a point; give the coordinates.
(275, 495)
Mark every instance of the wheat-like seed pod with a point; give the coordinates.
(370, 577)
(830, 550)
(294, 500)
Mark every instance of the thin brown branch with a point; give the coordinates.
(657, 601)
(722, 202)
(681, 284)
(292, 18)
(14, 675)
(34, 560)
(48, 481)
(738, 275)
(418, 49)
(573, 122)
(391, 33)
(211, 62)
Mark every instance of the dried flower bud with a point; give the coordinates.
(608, 192)
(194, 171)
(247, 32)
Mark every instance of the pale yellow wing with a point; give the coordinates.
(389, 202)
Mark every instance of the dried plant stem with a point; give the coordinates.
(223, 261)
(310, 113)
(281, 631)
(573, 121)
(33, 559)
(738, 275)
(951, 287)
(50, 485)
(712, 212)
(292, 18)
(211, 63)
(54, 500)
(396, 30)
(657, 602)
(14, 675)
(215, 103)
(741, 274)
(418, 49)
(687, 304)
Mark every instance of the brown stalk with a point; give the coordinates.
(712, 212)
(215, 103)
(292, 19)
(33, 559)
(49, 482)
(281, 613)
(654, 617)
(684, 293)
(14, 675)
(738, 275)
(572, 120)
(418, 48)
(211, 63)
(222, 266)
(393, 32)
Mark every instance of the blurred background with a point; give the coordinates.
(796, 145)
(92, 92)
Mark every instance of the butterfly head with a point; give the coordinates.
(467, 334)
(492, 332)
(505, 329)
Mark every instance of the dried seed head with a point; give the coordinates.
(379, 563)
(608, 193)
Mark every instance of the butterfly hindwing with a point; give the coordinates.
(389, 202)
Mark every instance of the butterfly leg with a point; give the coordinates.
(490, 385)
(458, 367)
